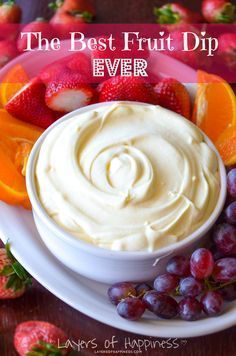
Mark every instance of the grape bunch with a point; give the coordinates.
(192, 286)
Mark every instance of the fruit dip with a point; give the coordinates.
(127, 177)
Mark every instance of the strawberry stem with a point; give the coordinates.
(55, 5)
(18, 277)
(44, 349)
(86, 15)
(165, 15)
(228, 15)
(9, 2)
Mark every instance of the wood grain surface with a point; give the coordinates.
(39, 304)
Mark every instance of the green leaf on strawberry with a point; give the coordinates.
(55, 5)
(18, 277)
(45, 349)
(228, 15)
(165, 15)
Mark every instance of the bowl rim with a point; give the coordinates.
(41, 213)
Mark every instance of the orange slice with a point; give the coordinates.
(226, 145)
(12, 183)
(215, 105)
(13, 127)
(13, 81)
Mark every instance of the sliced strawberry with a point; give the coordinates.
(29, 105)
(108, 53)
(69, 93)
(77, 62)
(173, 95)
(13, 277)
(39, 338)
(127, 88)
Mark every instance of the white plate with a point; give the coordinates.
(17, 226)
(89, 297)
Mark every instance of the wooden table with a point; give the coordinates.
(39, 304)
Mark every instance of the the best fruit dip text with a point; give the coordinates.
(128, 177)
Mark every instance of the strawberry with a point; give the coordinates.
(84, 7)
(76, 62)
(174, 13)
(8, 51)
(39, 25)
(127, 88)
(13, 277)
(173, 95)
(195, 58)
(29, 105)
(219, 11)
(227, 49)
(39, 338)
(69, 93)
(119, 52)
(10, 12)
(71, 16)
(64, 22)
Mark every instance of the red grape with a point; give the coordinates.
(228, 292)
(162, 305)
(225, 270)
(201, 263)
(120, 291)
(179, 266)
(131, 308)
(230, 213)
(212, 303)
(141, 289)
(225, 239)
(190, 309)
(231, 182)
(190, 287)
(166, 283)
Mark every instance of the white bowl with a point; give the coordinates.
(104, 265)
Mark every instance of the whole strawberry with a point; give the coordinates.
(39, 25)
(39, 338)
(10, 12)
(174, 13)
(219, 11)
(82, 6)
(8, 51)
(173, 95)
(13, 277)
(127, 88)
(70, 14)
(227, 49)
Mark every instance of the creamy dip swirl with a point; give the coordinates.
(128, 177)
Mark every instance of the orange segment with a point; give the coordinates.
(215, 105)
(16, 141)
(226, 145)
(17, 128)
(12, 183)
(13, 81)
